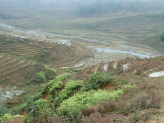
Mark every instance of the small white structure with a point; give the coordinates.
(126, 66)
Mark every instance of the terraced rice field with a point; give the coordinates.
(9, 64)
(16, 72)
(22, 50)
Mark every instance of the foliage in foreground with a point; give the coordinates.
(51, 87)
(69, 88)
(99, 79)
(9, 117)
(81, 101)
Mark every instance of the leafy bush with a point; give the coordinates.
(44, 107)
(56, 85)
(8, 39)
(162, 36)
(40, 92)
(37, 96)
(39, 111)
(31, 44)
(70, 87)
(51, 86)
(50, 72)
(81, 101)
(45, 51)
(99, 79)
(67, 70)
(58, 78)
(3, 109)
(40, 77)
(8, 117)
(128, 88)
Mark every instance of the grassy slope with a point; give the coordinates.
(133, 105)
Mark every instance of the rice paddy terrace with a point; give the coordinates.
(63, 51)
(13, 70)
(15, 73)
(152, 67)
(56, 53)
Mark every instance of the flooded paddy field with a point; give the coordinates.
(104, 51)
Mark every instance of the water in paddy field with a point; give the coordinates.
(102, 54)
(107, 50)
(157, 74)
(9, 93)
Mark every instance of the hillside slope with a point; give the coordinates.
(45, 52)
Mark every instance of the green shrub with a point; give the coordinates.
(44, 107)
(3, 109)
(67, 70)
(82, 101)
(162, 36)
(1, 119)
(40, 77)
(8, 117)
(50, 72)
(37, 96)
(45, 51)
(58, 78)
(70, 87)
(51, 86)
(99, 79)
(55, 86)
(41, 111)
(31, 44)
(8, 39)
(127, 88)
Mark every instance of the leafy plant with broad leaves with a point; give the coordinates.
(99, 79)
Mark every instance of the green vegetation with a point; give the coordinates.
(126, 96)
(3, 109)
(40, 77)
(99, 79)
(155, 42)
(5, 16)
(9, 117)
(31, 44)
(81, 101)
(162, 36)
(70, 87)
(51, 87)
(50, 72)
(8, 39)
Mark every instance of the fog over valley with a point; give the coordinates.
(81, 61)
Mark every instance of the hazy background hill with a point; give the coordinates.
(130, 21)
